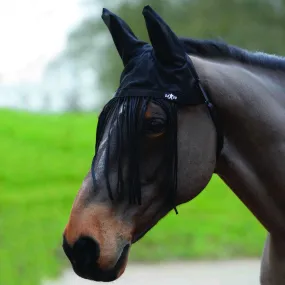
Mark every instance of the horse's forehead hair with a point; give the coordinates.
(110, 127)
(122, 109)
(113, 124)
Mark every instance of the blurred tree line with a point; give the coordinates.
(252, 24)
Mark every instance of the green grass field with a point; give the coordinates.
(43, 161)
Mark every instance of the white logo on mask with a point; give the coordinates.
(170, 96)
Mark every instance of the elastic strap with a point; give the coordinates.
(216, 120)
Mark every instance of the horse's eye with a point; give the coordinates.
(154, 126)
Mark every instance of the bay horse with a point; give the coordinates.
(185, 109)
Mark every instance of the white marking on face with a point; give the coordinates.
(102, 147)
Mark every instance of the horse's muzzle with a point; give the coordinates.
(83, 256)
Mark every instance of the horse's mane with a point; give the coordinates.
(214, 49)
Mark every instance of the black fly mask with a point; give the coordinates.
(161, 73)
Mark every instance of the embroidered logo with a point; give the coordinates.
(170, 96)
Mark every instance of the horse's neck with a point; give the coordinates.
(251, 104)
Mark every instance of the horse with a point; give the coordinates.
(186, 109)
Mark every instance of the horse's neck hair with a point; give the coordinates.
(237, 81)
(251, 102)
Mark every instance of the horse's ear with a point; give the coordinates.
(127, 44)
(167, 47)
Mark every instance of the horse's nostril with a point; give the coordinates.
(84, 255)
(85, 252)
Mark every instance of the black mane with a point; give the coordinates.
(214, 49)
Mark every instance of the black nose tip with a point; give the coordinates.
(84, 253)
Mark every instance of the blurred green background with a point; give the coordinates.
(45, 155)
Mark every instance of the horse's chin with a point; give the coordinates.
(100, 275)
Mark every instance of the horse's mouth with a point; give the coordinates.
(100, 275)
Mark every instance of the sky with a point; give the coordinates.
(32, 32)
